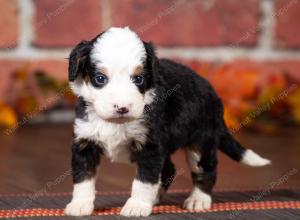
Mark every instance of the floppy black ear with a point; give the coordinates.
(78, 59)
(151, 56)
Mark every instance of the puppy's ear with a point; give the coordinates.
(78, 59)
(151, 56)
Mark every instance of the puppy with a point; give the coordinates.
(135, 108)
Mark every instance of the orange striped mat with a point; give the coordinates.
(218, 207)
(226, 204)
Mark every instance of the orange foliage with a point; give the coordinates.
(236, 87)
(229, 118)
(30, 94)
(251, 95)
(294, 102)
(8, 118)
(234, 83)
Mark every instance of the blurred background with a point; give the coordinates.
(249, 50)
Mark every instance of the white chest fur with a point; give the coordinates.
(115, 139)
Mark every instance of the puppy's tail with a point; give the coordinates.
(234, 150)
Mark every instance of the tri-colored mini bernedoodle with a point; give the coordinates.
(135, 108)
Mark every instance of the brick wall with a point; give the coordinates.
(266, 33)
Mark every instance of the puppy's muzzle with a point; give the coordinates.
(122, 110)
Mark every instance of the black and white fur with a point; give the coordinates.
(136, 108)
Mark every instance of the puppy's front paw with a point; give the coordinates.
(79, 208)
(198, 200)
(134, 207)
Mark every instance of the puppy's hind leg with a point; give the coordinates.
(85, 158)
(203, 164)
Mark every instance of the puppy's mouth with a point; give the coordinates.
(120, 119)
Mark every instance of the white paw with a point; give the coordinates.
(198, 200)
(136, 208)
(79, 208)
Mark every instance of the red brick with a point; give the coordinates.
(55, 68)
(190, 22)
(8, 23)
(61, 23)
(288, 23)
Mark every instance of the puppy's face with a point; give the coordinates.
(114, 74)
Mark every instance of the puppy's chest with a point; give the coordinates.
(117, 140)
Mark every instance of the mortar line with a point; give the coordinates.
(105, 14)
(26, 30)
(267, 25)
(201, 53)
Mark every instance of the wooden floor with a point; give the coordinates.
(37, 158)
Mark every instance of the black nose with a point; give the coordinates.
(122, 110)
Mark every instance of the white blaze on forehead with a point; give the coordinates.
(119, 50)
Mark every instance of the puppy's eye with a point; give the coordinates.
(138, 80)
(100, 80)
